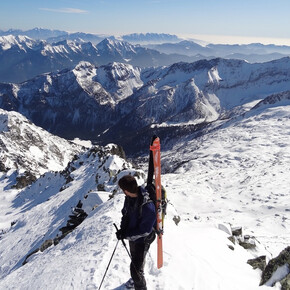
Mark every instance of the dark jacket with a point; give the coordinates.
(139, 217)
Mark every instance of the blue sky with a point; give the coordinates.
(216, 20)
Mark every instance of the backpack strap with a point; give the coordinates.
(145, 199)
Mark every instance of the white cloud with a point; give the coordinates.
(65, 10)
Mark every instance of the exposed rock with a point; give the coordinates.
(3, 168)
(118, 150)
(75, 219)
(101, 187)
(46, 245)
(258, 263)
(176, 219)
(25, 179)
(29, 255)
(277, 267)
(247, 242)
(232, 239)
(285, 283)
(237, 231)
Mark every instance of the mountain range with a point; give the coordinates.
(52, 35)
(190, 48)
(23, 57)
(114, 102)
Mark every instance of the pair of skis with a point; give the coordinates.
(155, 166)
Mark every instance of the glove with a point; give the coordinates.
(120, 234)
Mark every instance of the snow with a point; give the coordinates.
(120, 79)
(6, 42)
(238, 174)
(36, 152)
(279, 274)
(85, 143)
(235, 175)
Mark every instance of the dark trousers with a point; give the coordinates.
(138, 253)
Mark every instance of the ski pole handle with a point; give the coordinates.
(117, 230)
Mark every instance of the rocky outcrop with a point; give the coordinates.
(24, 180)
(258, 263)
(246, 241)
(278, 270)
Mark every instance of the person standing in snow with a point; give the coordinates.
(137, 226)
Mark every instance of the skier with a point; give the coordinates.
(137, 226)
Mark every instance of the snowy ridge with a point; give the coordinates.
(43, 208)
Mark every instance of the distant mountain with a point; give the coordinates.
(253, 48)
(150, 38)
(252, 58)
(113, 103)
(35, 33)
(180, 49)
(52, 35)
(254, 52)
(184, 47)
(74, 102)
(23, 58)
(79, 37)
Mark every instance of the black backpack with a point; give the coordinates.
(150, 188)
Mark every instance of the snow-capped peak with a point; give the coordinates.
(22, 41)
(114, 46)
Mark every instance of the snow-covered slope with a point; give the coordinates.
(236, 174)
(27, 147)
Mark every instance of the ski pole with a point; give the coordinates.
(124, 244)
(108, 265)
